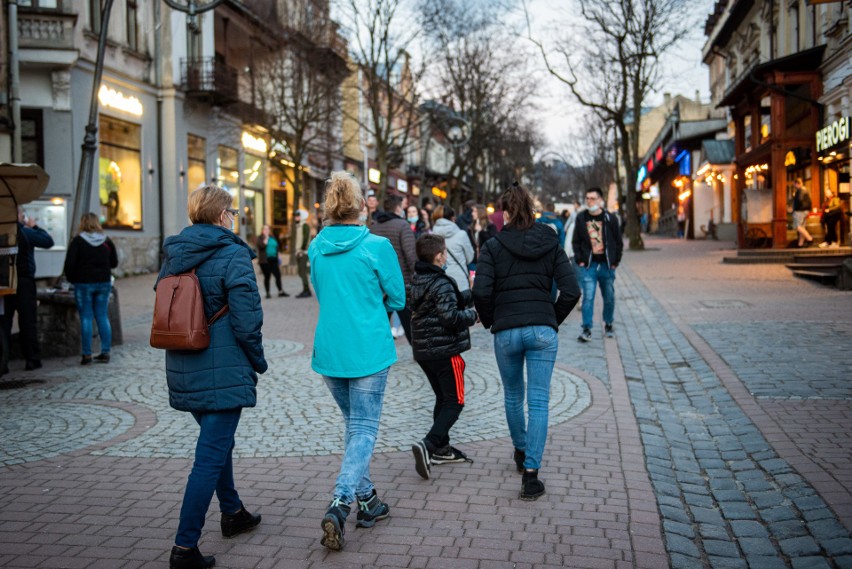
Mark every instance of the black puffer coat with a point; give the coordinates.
(514, 276)
(439, 317)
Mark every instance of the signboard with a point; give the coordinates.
(832, 135)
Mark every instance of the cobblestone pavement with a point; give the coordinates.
(712, 432)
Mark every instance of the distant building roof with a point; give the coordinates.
(718, 151)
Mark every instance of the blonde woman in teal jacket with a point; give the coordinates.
(357, 280)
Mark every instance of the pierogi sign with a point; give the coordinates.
(832, 135)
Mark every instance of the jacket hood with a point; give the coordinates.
(93, 239)
(530, 243)
(386, 216)
(197, 243)
(336, 239)
(445, 228)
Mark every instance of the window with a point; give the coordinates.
(228, 175)
(196, 171)
(42, 4)
(95, 15)
(32, 141)
(120, 174)
(132, 25)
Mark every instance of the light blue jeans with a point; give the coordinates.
(92, 304)
(535, 345)
(360, 400)
(590, 277)
(213, 471)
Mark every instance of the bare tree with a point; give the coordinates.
(613, 69)
(480, 76)
(297, 88)
(380, 44)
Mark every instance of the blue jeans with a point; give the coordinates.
(213, 470)
(537, 346)
(590, 277)
(360, 400)
(92, 303)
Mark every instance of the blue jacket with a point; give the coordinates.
(357, 279)
(28, 239)
(553, 220)
(223, 376)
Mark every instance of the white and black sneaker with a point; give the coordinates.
(422, 459)
(608, 331)
(585, 335)
(449, 454)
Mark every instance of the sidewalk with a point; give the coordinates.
(712, 432)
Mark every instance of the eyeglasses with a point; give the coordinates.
(592, 198)
(233, 212)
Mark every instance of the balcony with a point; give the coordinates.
(46, 30)
(206, 78)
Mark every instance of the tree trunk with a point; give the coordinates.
(297, 196)
(631, 218)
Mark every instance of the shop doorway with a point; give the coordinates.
(251, 215)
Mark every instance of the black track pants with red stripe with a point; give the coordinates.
(446, 377)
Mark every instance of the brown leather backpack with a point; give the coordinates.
(179, 322)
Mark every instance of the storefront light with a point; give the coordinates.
(253, 143)
(684, 195)
(118, 101)
(374, 176)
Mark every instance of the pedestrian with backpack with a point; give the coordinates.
(215, 383)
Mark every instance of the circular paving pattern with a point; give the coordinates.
(36, 430)
(295, 416)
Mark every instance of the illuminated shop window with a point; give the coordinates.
(196, 169)
(228, 175)
(120, 174)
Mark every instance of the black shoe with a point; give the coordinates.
(585, 335)
(32, 364)
(370, 511)
(241, 522)
(268, 295)
(190, 559)
(608, 331)
(531, 487)
(282, 293)
(422, 457)
(102, 359)
(520, 456)
(449, 454)
(333, 525)
(85, 360)
(304, 294)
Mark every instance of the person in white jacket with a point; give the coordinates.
(459, 248)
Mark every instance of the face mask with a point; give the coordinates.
(412, 220)
(445, 266)
(362, 218)
(594, 208)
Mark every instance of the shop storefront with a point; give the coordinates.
(253, 190)
(833, 155)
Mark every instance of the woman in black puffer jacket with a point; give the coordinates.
(512, 293)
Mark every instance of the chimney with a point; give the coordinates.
(698, 96)
(667, 99)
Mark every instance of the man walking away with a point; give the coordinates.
(390, 224)
(303, 238)
(801, 207)
(597, 251)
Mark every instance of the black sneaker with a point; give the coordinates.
(370, 511)
(585, 335)
(241, 522)
(32, 365)
(421, 459)
(608, 331)
(190, 559)
(531, 487)
(282, 293)
(304, 294)
(449, 454)
(520, 456)
(102, 359)
(333, 525)
(85, 360)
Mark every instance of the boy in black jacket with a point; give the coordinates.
(439, 330)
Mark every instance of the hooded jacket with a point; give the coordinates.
(223, 376)
(357, 280)
(398, 232)
(582, 243)
(90, 258)
(459, 251)
(439, 315)
(28, 239)
(514, 277)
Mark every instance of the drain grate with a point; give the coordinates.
(723, 303)
(19, 383)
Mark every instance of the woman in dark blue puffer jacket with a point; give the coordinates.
(214, 384)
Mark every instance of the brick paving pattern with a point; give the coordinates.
(712, 432)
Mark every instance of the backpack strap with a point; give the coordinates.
(222, 311)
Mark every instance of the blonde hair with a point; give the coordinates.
(89, 224)
(207, 203)
(343, 198)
